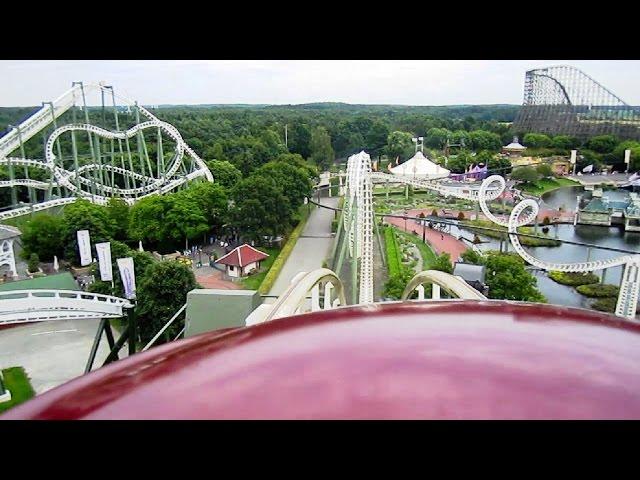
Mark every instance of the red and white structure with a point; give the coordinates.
(242, 260)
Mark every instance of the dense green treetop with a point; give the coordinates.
(322, 153)
(161, 292)
(43, 235)
(261, 208)
(224, 173)
(536, 140)
(84, 215)
(399, 144)
(602, 143)
(525, 174)
(507, 278)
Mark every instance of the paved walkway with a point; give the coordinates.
(311, 249)
(440, 241)
(52, 353)
(210, 277)
(594, 179)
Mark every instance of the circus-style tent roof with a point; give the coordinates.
(420, 167)
(514, 145)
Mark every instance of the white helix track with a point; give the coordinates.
(526, 211)
(359, 183)
(70, 179)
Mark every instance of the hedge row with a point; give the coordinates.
(393, 252)
(574, 279)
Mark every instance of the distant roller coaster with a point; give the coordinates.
(562, 100)
(118, 163)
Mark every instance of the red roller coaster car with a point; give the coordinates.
(415, 360)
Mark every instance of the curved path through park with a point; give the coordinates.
(440, 242)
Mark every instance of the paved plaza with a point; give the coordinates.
(52, 353)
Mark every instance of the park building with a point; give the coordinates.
(632, 214)
(242, 260)
(514, 149)
(7, 255)
(607, 212)
(474, 275)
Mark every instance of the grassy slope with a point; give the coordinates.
(17, 382)
(547, 184)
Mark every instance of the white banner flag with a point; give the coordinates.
(128, 276)
(104, 260)
(84, 246)
(627, 156)
(573, 156)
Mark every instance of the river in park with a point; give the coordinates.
(614, 237)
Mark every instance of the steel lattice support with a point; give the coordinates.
(564, 100)
(96, 181)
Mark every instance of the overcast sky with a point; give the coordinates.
(404, 82)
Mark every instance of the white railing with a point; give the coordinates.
(20, 306)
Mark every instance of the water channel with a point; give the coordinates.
(614, 237)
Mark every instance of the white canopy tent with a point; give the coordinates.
(421, 168)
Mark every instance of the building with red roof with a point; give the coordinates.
(242, 260)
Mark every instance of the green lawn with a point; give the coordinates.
(598, 290)
(574, 279)
(394, 265)
(17, 382)
(253, 282)
(60, 281)
(546, 185)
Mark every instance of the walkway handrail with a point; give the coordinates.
(166, 325)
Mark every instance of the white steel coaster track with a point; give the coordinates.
(358, 195)
(71, 179)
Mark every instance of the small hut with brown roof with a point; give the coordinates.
(242, 260)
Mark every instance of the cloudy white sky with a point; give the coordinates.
(405, 82)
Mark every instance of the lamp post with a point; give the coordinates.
(419, 141)
(627, 159)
